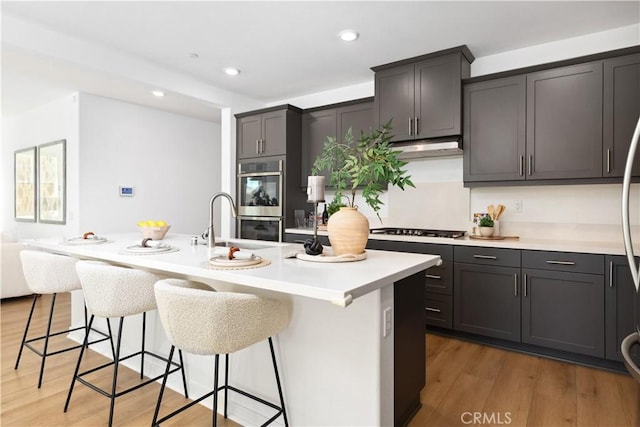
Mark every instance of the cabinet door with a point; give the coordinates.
(564, 311)
(316, 127)
(619, 298)
(621, 112)
(358, 117)
(438, 97)
(274, 134)
(494, 130)
(564, 122)
(394, 89)
(249, 133)
(486, 300)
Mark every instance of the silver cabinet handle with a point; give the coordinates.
(561, 262)
(432, 276)
(417, 127)
(530, 164)
(515, 284)
(485, 256)
(611, 274)
(410, 126)
(608, 160)
(435, 310)
(521, 165)
(257, 146)
(262, 146)
(525, 285)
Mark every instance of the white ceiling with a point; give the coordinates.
(284, 49)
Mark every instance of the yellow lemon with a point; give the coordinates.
(161, 223)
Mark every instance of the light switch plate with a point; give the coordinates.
(386, 321)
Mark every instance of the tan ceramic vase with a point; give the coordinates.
(348, 231)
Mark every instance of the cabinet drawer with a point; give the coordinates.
(439, 279)
(563, 261)
(487, 256)
(438, 310)
(445, 251)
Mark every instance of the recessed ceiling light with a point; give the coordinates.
(194, 55)
(348, 35)
(232, 71)
(157, 93)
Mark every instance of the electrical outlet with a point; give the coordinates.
(517, 206)
(386, 320)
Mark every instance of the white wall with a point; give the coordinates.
(172, 161)
(587, 212)
(54, 121)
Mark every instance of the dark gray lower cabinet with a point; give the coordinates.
(564, 311)
(619, 296)
(487, 300)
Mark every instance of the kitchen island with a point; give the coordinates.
(353, 353)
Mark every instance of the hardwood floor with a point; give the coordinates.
(463, 378)
(22, 404)
(507, 388)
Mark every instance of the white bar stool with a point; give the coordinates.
(114, 291)
(47, 273)
(213, 323)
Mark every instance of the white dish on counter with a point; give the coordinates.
(147, 249)
(83, 241)
(224, 261)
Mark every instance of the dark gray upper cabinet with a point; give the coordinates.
(263, 134)
(563, 301)
(316, 127)
(494, 130)
(332, 120)
(621, 112)
(564, 122)
(423, 95)
(619, 298)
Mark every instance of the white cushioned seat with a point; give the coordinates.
(112, 291)
(49, 274)
(213, 323)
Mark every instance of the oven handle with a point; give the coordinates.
(252, 174)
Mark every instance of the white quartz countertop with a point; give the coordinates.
(338, 283)
(591, 247)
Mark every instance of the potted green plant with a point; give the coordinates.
(365, 166)
(486, 226)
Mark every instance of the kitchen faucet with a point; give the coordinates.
(212, 234)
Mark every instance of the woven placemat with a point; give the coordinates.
(262, 263)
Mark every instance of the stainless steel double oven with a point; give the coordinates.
(260, 199)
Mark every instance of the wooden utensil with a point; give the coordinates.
(491, 211)
(499, 211)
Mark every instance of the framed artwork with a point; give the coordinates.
(52, 182)
(24, 162)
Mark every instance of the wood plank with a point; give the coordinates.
(554, 396)
(598, 398)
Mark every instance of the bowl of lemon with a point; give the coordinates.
(155, 230)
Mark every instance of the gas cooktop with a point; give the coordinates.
(418, 232)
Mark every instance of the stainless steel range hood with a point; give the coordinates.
(438, 147)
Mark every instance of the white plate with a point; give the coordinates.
(224, 261)
(148, 249)
(83, 241)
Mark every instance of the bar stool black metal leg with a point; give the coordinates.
(184, 375)
(26, 330)
(226, 382)
(46, 339)
(113, 349)
(275, 370)
(164, 384)
(115, 373)
(144, 327)
(75, 374)
(215, 392)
